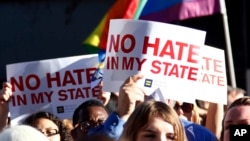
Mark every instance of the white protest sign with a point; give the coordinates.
(55, 85)
(167, 55)
(213, 86)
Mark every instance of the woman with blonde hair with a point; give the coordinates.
(154, 121)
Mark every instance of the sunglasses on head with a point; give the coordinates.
(186, 107)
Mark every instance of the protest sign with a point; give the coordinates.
(55, 85)
(213, 86)
(167, 55)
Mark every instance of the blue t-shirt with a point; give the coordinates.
(113, 127)
(196, 132)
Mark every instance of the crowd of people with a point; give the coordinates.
(127, 116)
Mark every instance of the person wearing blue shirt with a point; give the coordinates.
(131, 95)
(113, 127)
(196, 132)
(113, 124)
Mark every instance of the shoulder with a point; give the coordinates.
(196, 132)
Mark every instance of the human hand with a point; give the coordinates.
(130, 95)
(5, 93)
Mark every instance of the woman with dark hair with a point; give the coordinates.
(50, 125)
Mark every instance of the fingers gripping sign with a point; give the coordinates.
(130, 95)
(6, 93)
(130, 86)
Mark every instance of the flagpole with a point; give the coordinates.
(228, 43)
(140, 8)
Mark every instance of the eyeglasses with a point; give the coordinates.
(87, 125)
(186, 107)
(49, 132)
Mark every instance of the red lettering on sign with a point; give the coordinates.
(128, 38)
(29, 82)
(114, 43)
(147, 45)
(89, 74)
(112, 62)
(171, 49)
(168, 50)
(192, 52)
(212, 64)
(181, 46)
(221, 81)
(127, 43)
(156, 68)
(218, 66)
(56, 79)
(207, 63)
(17, 83)
(70, 77)
(37, 98)
(72, 94)
(32, 82)
(128, 63)
(19, 100)
(96, 91)
(192, 75)
(175, 70)
(213, 79)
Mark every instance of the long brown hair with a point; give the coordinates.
(147, 110)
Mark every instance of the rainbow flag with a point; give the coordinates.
(126, 9)
(176, 10)
(96, 42)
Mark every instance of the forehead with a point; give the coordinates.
(156, 123)
(44, 123)
(238, 113)
(91, 111)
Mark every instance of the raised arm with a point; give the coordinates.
(214, 118)
(129, 96)
(5, 95)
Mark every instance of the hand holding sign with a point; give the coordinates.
(169, 60)
(129, 96)
(6, 92)
(5, 95)
(53, 85)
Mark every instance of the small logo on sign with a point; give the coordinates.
(60, 109)
(148, 83)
